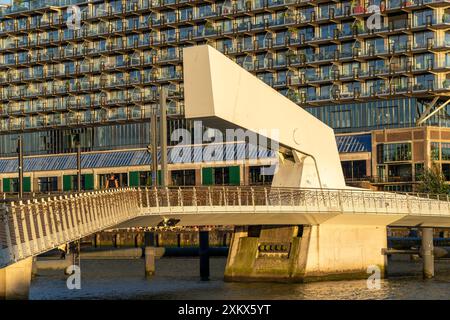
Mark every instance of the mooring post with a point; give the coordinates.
(149, 253)
(427, 253)
(204, 255)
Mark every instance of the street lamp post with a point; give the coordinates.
(163, 136)
(78, 145)
(20, 165)
(153, 148)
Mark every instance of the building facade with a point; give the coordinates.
(98, 77)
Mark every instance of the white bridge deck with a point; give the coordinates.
(35, 226)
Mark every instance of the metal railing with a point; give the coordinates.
(35, 225)
(31, 227)
(264, 199)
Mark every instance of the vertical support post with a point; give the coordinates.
(78, 165)
(149, 253)
(154, 148)
(149, 239)
(427, 253)
(149, 261)
(20, 165)
(204, 255)
(163, 137)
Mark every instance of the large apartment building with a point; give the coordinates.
(377, 87)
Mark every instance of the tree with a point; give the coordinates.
(433, 181)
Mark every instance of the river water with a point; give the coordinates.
(177, 278)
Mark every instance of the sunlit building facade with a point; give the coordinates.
(100, 79)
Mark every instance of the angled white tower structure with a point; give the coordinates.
(224, 95)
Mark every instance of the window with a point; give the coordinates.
(445, 151)
(145, 178)
(257, 178)
(222, 176)
(446, 171)
(387, 115)
(183, 177)
(400, 172)
(393, 152)
(418, 170)
(121, 178)
(354, 170)
(341, 119)
(48, 184)
(434, 150)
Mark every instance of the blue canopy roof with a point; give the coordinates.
(354, 143)
(177, 154)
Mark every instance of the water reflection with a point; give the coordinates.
(177, 278)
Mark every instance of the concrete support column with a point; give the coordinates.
(178, 240)
(149, 239)
(117, 240)
(427, 253)
(34, 268)
(149, 253)
(97, 240)
(15, 280)
(204, 255)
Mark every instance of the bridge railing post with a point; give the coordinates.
(43, 218)
(61, 211)
(180, 197)
(253, 197)
(65, 203)
(420, 202)
(279, 197)
(89, 212)
(448, 204)
(168, 198)
(238, 189)
(225, 196)
(76, 208)
(29, 214)
(266, 196)
(21, 247)
(147, 197)
(210, 198)
(155, 190)
(194, 197)
(57, 237)
(439, 203)
(5, 219)
(341, 205)
(49, 222)
(140, 204)
(75, 216)
(40, 226)
(84, 213)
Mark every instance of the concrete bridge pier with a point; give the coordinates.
(306, 252)
(427, 253)
(15, 280)
(149, 253)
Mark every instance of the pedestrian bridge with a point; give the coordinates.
(29, 228)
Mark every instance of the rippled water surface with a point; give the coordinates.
(177, 278)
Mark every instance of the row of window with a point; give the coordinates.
(210, 176)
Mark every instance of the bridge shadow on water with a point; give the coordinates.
(178, 278)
